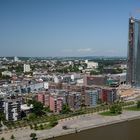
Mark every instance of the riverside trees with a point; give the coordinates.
(116, 108)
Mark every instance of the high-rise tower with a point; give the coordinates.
(133, 60)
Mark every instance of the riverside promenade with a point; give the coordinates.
(74, 124)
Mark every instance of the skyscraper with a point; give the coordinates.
(133, 61)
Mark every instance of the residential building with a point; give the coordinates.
(75, 76)
(56, 103)
(26, 68)
(12, 109)
(47, 100)
(16, 59)
(66, 78)
(26, 109)
(91, 98)
(2, 105)
(108, 95)
(7, 73)
(43, 98)
(74, 100)
(92, 65)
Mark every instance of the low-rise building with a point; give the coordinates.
(7, 73)
(92, 65)
(95, 80)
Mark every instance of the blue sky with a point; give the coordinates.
(65, 27)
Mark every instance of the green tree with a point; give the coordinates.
(37, 107)
(6, 77)
(35, 126)
(46, 109)
(12, 137)
(29, 102)
(94, 72)
(138, 104)
(32, 116)
(41, 127)
(31, 127)
(53, 121)
(65, 109)
(33, 136)
(2, 117)
(116, 108)
(19, 68)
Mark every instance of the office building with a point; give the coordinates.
(133, 61)
(90, 80)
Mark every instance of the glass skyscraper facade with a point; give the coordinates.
(133, 61)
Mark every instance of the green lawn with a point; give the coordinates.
(133, 108)
(108, 113)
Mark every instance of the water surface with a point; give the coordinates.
(129, 130)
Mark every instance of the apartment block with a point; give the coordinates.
(56, 103)
(43, 98)
(91, 98)
(108, 95)
(1, 105)
(74, 100)
(12, 109)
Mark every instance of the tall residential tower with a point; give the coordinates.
(133, 61)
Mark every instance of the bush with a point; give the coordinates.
(12, 137)
(53, 121)
(116, 109)
(31, 127)
(33, 136)
(35, 126)
(138, 104)
(41, 127)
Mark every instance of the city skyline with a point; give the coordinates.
(65, 28)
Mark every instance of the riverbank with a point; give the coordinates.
(74, 124)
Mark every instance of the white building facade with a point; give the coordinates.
(26, 68)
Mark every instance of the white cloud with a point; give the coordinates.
(83, 50)
(112, 52)
(67, 50)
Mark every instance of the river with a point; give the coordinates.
(129, 130)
